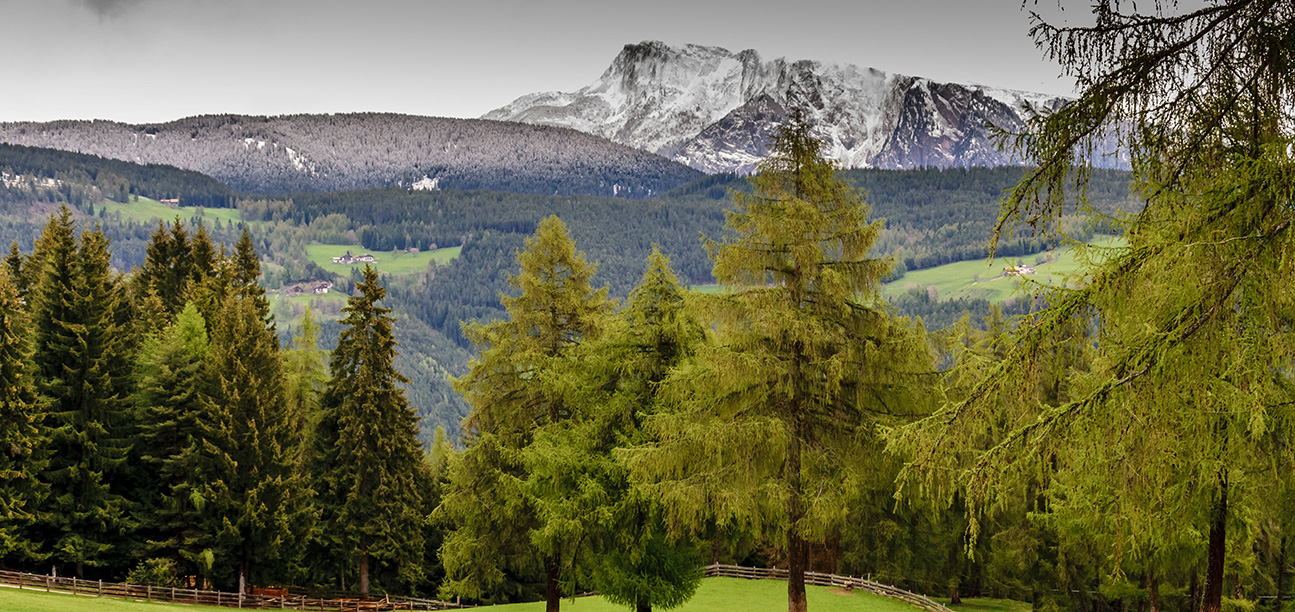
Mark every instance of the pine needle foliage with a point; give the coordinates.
(1185, 415)
(782, 408)
(373, 466)
(253, 498)
(514, 388)
(170, 398)
(641, 565)
(23, 443)
(83, 372)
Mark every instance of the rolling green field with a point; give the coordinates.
(981, 279)
(145, 210)
(715, 595)
(392, 262)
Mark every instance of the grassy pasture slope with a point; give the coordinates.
(958, 280)
(391, 262)
(27, 600)
(146, 210)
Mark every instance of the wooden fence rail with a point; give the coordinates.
(828, 580)
(75, 586)
(293, 602)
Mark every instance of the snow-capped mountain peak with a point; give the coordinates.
(715, 110)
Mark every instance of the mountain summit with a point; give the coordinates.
(715, 110)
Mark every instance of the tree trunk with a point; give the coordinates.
(643, 607)
(552, 595)
(242, 579)
(364, 572)
(797, 549)
(1213, 600)
(1194, 600)
(1153, 590)
(955, 598)
(1281, 574)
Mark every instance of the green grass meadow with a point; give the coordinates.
(27, 600)
(740, 594)
(146, 210)
(391, 262)
(714, 595)
(983, 279)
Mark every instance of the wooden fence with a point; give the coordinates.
(829, 580)
(292, 602)
(216, 598)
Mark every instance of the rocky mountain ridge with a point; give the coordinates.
(295, 153)
(715, 110)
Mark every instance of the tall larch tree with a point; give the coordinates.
(1186, 415)
(372, 465)
(511, 387)
(781, 411)
(23, 443)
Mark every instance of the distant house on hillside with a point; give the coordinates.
(1020, 270)
(171, 201)
(349, 259)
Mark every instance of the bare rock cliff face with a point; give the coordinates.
(715, 110)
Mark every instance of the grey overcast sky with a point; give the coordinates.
(156, 60)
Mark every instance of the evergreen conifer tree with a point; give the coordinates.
(781, 410)
(254, 500)
(170, 399)
(22, 437)
(83, 376)
(511, 388)
(372, 466)
(575, 470)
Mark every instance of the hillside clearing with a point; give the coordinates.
(390, 262)
(981, 279)
(146, 210)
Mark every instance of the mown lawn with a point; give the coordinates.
(739, 594)
(146, 210)
(391, 262)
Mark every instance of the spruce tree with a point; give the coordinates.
(254, 500)
(372, 466)
(83, 376)
(23, 452)
(512, 392)
(781, 410)
(170, 400)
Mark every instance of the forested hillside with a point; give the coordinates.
(50, 175)
(932, 217)
(370, 150)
